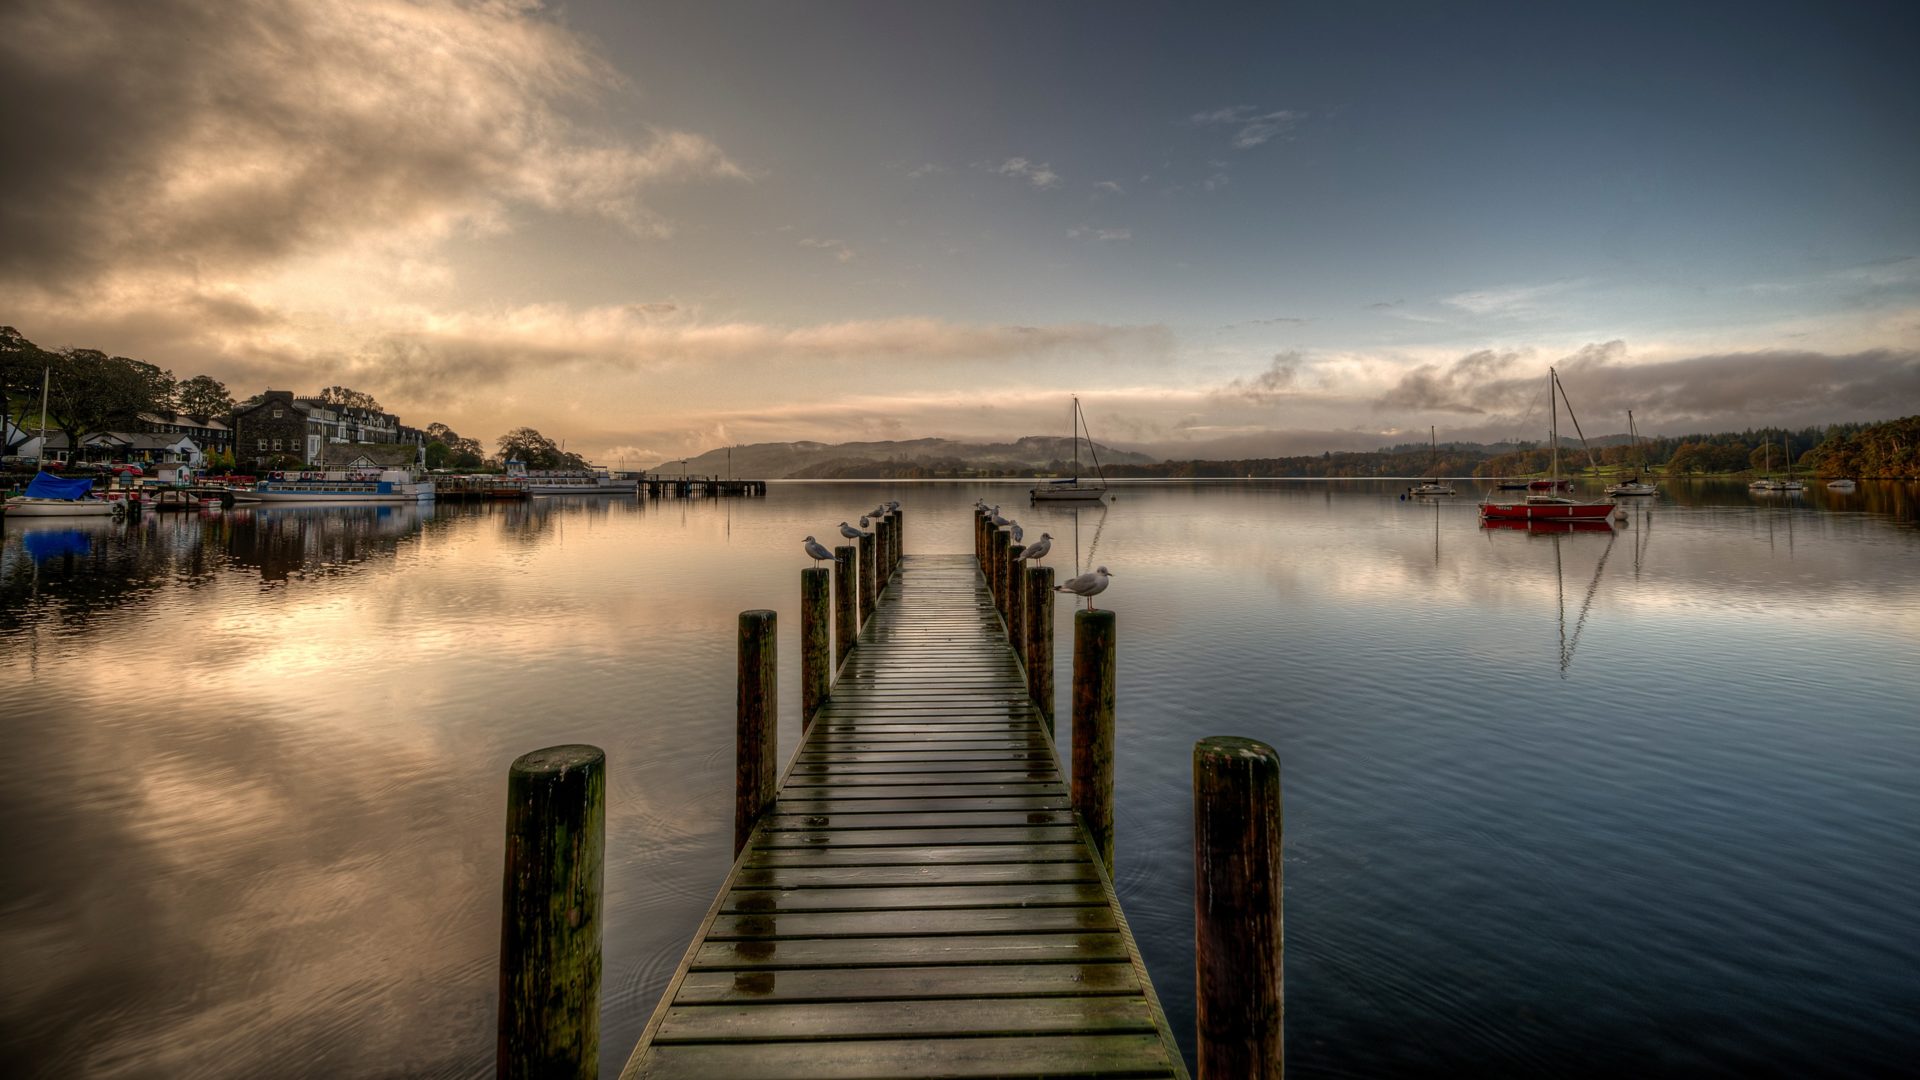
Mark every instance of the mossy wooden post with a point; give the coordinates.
(816, 670)
(883, 551)
(867, 591)
(980, 537)
(1039, 645)
(1093, 647)
(758, 712)
(899, 539)
(846, 613)
(1239, 938)
(1016, 598)
(550, 914)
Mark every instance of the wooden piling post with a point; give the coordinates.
(1016, 598)
(549, 1022)
(816, 672)
(997, 567)
(867, 591)
(1093, 650)
(846, 613)
(1039, 645)
(899, 539)
(882, 553)
(1239, 935)
(758, 712)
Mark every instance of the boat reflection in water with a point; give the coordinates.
(1558, 533)
(284, 539)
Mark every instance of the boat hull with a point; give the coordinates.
(23, 507)
(610, 487)
(1069, 494)
(343, 498)
(1545, 511)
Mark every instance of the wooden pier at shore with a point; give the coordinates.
(924, 894)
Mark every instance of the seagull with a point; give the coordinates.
(863, 520)
(893, 504)
(1016, 532)
(816, 552)
(850, 532)
(1040, 547)
(1087, 585)
(998, 521)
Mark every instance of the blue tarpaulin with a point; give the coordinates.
(49, 486)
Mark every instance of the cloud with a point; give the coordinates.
(925, 169)
(1253, 127)
(1511, 301)
(841, 252)
(1448, 388)
(1109, 187)
(1079, 232)
(1269, 386)
(198, 140)
(1041, 175)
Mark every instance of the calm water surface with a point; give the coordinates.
(1640, 802)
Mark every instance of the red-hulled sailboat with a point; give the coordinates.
(1548, 506)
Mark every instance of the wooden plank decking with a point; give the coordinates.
(918, 902)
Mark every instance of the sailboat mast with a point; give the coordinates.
(1073, 420)
(1553, 424)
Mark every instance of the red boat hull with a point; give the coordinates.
(1541, 527)
(1545, 511)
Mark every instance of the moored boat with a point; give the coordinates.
(1841, 485)
(1071, 489)
(593, 480)
(344, 486)
(1435, 486)
(1547, 506)
(48, 495)
(1635, 484)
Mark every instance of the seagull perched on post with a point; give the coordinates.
(1087, 585)
(863, 520)
(1040, 547)
(817, 553)
(851, 533)
(1016, 532)
(893, 504)
(993, 515)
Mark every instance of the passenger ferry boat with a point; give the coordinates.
(593, 480)
(361, 486)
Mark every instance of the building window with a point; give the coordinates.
(263, 444)
(278, 413)
(276, 444)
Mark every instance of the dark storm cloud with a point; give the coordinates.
(175, 138)
(1272, 384)
(1712, 389)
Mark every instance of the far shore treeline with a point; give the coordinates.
(88, 392)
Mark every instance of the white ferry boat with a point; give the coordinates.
(359, 486)
(593, 480)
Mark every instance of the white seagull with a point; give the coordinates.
(1087, 585)
(863, 520)
(816, 552)
(1016, 532)
(850, 532)
(893, 504)
(1040, 547)
(993, 515)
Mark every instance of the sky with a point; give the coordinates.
(655, 229)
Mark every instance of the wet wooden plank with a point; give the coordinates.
(903, 1019)
(750, 901)
(909, 951)
(1066, 1057)
(909, 923)
(910, 984)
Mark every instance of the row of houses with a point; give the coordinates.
(273, 431)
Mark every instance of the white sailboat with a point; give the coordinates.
(48, 495)
(1072, 490)
(1636, 484)
(1432, 487)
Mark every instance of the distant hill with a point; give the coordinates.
(893, 460)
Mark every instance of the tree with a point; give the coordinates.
(21, 365)
(340, 397)
(95, 392)
(203, 396)
(437, 454)
(536, 450)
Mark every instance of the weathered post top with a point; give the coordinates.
(1239, 938)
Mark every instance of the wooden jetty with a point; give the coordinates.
(922, 895)
(712, 487)
(918, 899)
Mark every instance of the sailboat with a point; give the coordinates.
(1635, 484)
(1432, 487)
(48, 495)
(1790, 484)
(1548, 506)
(1072, 490)
(1767, 483)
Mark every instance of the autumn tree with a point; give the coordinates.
(94, 392)
(341, 397)
(21, 365)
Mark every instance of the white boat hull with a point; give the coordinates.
(605, 487)
(345, 498)
(21, 507)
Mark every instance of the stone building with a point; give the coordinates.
(283, 431)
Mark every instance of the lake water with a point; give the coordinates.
(1639, 802)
